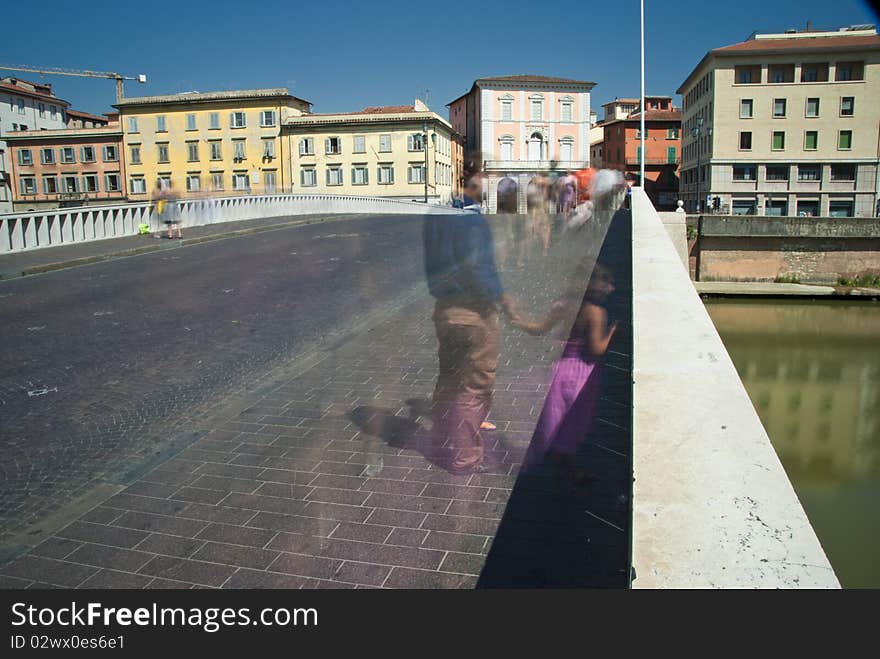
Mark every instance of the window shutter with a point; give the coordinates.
(232, 119)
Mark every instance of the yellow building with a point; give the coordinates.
(379, 151)
(207, 143)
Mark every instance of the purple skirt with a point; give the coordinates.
(569, 411)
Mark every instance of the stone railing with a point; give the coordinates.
(712, 505)
(63, 226)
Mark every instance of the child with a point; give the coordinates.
(570, 408)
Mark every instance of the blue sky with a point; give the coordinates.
(345, 56)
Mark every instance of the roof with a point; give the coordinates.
(208, 97)
(822, 42)
(525, 78)
(379, 114)
(23, 91)
(86, 115)
(656, 115)
(623, 100)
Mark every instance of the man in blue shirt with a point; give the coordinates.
(461, 274)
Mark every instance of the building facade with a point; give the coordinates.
(207, 143)
(623, 151)
(785, 124)
(24, 106)
(77, 119)
(69, 167)
(402, 152)
(521, 126)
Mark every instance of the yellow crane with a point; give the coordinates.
(58, 71)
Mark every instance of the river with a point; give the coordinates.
(812, 370)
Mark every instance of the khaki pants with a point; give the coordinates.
(468, 339)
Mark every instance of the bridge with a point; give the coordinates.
(245, 408)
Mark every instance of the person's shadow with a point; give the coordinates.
(399, 432)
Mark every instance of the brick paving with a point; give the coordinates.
(325, 482)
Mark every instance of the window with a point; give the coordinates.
(779, 73)
(70, 184)
(269, 149)
(241, 181)
(25, 157)
(160, 124)
(778, 140)
(42, 107)
(507, 110)
(68, 155)
(90, 183)
(307, 146)
(415, 173)
(135, 153)
(308, 177)
(809, 173)
(672, 133)
(814, 72)
(565, 111)
(87, 153)
(384, 143)
(193, 183)
(843, 172)
(137, 185)
(50, 185)
(639, 132)
(386, 174)
(745, 108)
(47, 156)
(776, 208)
(779, 107)
(237, 120)
(27, 184)
(744, 207)
(111, 182)
(334, 175)
(162, 152)
(164, 181)
(507, 149)
(745, 141)
(415, 142)
(812, 107)
(777, 172)
(53, 112)
(269, 181)
(214, 122)
(671, 154)
(850, 71)
(192, 151)
(333, 146)
(840, 209)
(360, 144)
(217, 180)
(239, 151)
(844, 139)
(132, 124)
(359, 175)
(811, 140)
(808, 207)
(216, 150)
(190, 122)
(20, 103)
(747, 75)
(566, 150)
(267, 118)
(744, 173)
(536, 106)
(847, 106)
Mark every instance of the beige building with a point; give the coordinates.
(380, 151)
(785, 124)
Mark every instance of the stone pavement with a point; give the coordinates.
(324, 482)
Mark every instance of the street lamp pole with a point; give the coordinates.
(425, 147)
(642, 113)
(696, 133)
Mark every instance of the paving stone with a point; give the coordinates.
(56, 573)
(237, 535)
(127, 560)
(160, 524)
(116, 579)
(181, 569)
(260, 579)
(100, 534)
(170, 545)
(409, 578)
(251, 557)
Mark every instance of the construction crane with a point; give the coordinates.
(57, 71)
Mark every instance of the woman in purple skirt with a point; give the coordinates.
(569, 410)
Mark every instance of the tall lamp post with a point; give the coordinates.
(425, 146)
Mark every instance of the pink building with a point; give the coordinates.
(523, 125)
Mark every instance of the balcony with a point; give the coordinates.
(532, 165)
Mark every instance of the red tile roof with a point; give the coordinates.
(33, 94)
(532, 78)
(802, 43)
(385, 109)
(86, 115)
(657, 115)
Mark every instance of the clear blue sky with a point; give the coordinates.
(344, 56)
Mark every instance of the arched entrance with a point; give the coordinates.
(507, 193)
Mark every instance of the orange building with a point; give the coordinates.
(622, 146)
(68, 167)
